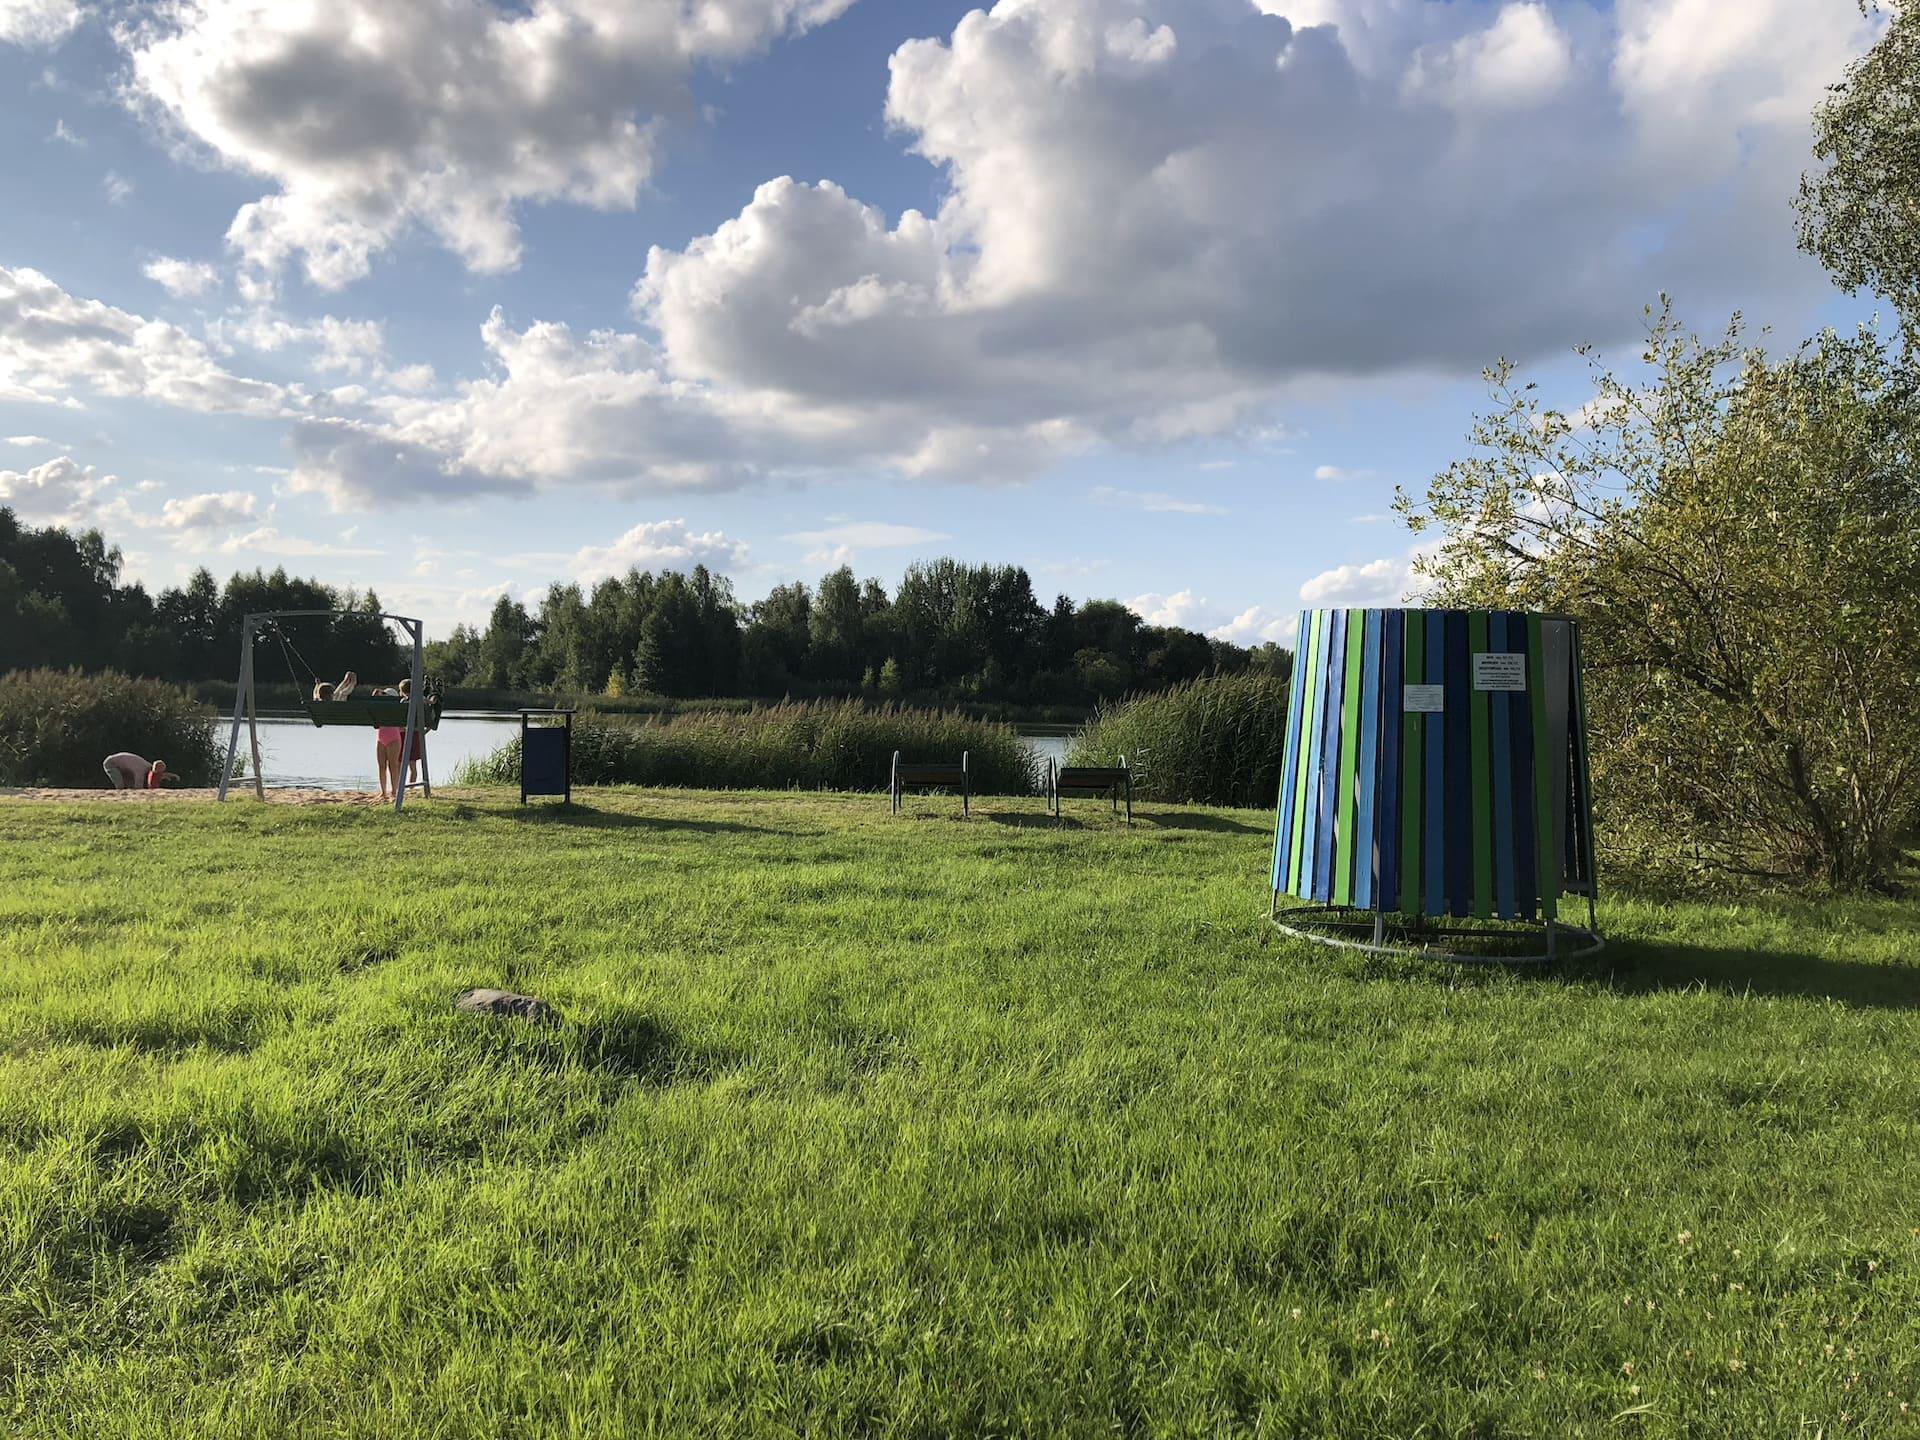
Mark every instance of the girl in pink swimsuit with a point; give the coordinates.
(386, 753)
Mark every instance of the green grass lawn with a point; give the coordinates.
(864, 1125)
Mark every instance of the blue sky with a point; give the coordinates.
(1160, 298)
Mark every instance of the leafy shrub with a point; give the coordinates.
(1213, 741)
(820, 745)
(56, 726)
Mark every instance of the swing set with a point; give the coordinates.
(418, 711)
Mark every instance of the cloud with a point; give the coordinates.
(1258, 624)
(1337, 473)
(117, 186)
(1183, 608)
(267, 540)
(61, 491)
(208, 512)
(1153, 219)
(1377, 582)
(28, 441)
(374, 118)
(37, 22)
(52, 343)
(354, 347)
(1518, 61)
(841, 544)
(1154, 501)
(66, 136)
(181, 277)
(659, 544)
(1114, 254)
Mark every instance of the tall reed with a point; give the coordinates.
(815, 745)
(1213, 741)
(56, 726)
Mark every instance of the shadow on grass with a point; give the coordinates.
(576, 816)
(623, 1045)
(1641, 967)
(1177, 820)
(1089, 819)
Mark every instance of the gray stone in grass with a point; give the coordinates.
(503, 1002)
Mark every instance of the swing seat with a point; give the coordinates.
(371, 714)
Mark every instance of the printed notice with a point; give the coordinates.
(1425, 699)
(1500, 670)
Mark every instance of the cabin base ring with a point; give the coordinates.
(1344, 927)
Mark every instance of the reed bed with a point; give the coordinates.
(814, 745)
(1214, 741)
(56, 726)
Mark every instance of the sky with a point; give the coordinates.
(1160, 299)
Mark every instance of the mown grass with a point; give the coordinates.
(862, 1125)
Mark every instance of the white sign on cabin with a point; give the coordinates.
(1500, 670)
(1424, 699)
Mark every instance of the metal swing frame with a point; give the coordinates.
(244, 706)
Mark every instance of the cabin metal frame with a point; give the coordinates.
(244, 703)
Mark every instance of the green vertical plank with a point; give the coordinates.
(1412, 755)
(1548, 867)
(1344, 821)
(1480, 723)
(1306, 676)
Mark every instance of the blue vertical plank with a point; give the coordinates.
(1433, 840)
(1283, 809)
(1310, 760)
(1459, 841)
(1363, 859)
(1336, 648)
(1501, 707)
(1386, 824)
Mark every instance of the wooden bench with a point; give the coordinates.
(937, 776)
(1094, 780)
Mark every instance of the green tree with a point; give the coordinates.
(774, 648)
(1860, 214)
(1740, 536)
(837, 624)
(507, 646)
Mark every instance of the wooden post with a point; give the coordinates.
(239, 703)
(253, 728)
(414, 701)
(418, 691)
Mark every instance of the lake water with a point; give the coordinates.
(296, 752)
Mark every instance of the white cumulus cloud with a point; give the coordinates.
(372, 117)
(60, 492)
(1182, 608)
(53, 343)
(659, 544)
(208, 512)
(842, 544)
(37, 22)
(1375, 583)
(1258, 623)
(181, 278)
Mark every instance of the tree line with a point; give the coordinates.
(949, 632)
